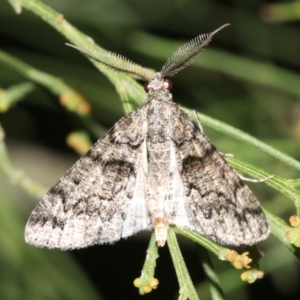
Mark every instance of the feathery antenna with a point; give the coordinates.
(117, 63)
(180, 59)
(185, 54)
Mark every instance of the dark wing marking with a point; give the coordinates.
(218, 203)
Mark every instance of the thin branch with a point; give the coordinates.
(186, 287)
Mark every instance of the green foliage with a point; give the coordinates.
(246, 87)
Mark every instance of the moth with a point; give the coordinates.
(153, 169)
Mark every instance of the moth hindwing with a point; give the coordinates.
(153, 169)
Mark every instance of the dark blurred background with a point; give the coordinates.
(254, 85)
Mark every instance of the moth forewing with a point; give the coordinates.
(153, 169)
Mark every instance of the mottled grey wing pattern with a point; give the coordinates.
(85, 207)
(218, 204)
(153, 169)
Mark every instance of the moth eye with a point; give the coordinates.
(146, 87)
(168, 84)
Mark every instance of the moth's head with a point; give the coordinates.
(158, 82)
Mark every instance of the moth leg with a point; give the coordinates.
(255, 180)
(226, 154)
(193, 114)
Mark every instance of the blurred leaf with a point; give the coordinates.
(281, 12)
(68, 97)
(13, 94)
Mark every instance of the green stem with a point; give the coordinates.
(214, 282)
(125, 86)
(186, 287)
(280, 184)
(147, 281)
(279, 228)
(201, 240)
(246, 138)
(54, 84)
